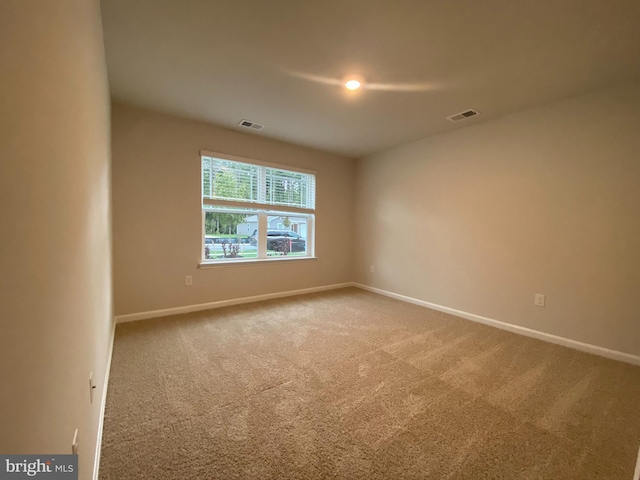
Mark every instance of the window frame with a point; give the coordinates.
(261, 209)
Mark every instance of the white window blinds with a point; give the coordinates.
(237, 183)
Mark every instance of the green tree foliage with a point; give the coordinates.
(226, 184)
(231, 185)
(229, 180)
(286, 188)
(216, 223)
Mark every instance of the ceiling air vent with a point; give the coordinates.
(462, 115)
(251, 125)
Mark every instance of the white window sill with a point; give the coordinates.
(254, 262)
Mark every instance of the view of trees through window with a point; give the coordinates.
(228, 180)
(286, 188)
(231, 230)
(222, 223)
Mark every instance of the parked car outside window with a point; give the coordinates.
(285, 241)
(281, 241)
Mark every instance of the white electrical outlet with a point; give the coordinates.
(74, 444)
(188, 280)
(540, 300)
(372, 269)
(92, 387)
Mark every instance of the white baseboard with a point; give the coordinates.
(103, 403)
(132, 317)
(566, 342)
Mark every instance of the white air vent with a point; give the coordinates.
(463, 115)
(251, 125)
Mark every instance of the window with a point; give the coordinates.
(254, 211)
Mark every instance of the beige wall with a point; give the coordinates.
(55, 261)
(157, 214)
(542, 201)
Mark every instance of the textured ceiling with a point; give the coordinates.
(273, 61)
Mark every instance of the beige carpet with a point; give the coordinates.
(352, 385)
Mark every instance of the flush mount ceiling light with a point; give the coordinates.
(355, 83)
(352, 84)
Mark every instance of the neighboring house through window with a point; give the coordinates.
(253, 210)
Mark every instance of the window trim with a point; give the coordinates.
(252, 161)
(254, 261)
(256, 206)
(261, 210)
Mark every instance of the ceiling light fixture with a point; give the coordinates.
(364, 85)
(352, 84)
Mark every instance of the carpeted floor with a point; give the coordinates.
(352, 385)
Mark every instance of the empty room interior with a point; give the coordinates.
(343, 239)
